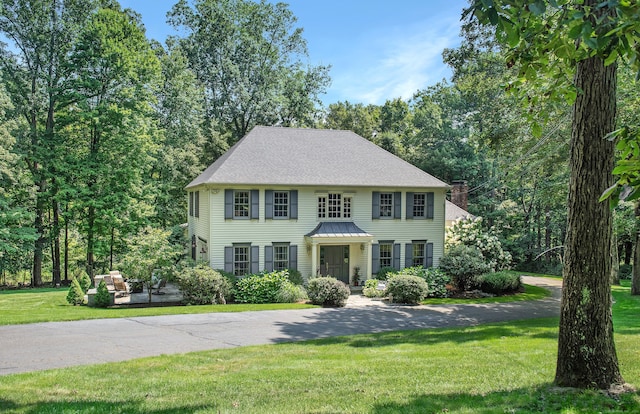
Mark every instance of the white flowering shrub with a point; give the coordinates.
(469, 232)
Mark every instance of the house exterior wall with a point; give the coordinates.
(219, 232)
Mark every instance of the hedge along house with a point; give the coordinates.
(324, 202)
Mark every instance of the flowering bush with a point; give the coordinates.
(469, 232)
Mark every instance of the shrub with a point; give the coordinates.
(76, 294)
(407, 289)
(464, 264)
(84, 280)
(500, 283)
(328, 291)
(436, 280)
(201, 285)
(261, 287)
(469, 232)
(291, 293)
(102, 299)
(371, 290)
(625, 271)
(385, 272)
(295, 277)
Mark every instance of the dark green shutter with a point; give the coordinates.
(228, 204)
(228, 259)
(293, 257)
(268, 258)
(375, 205)
(429, 205)
(428, 257)
(408, 255)
(255, 259)
(375, 258)
(409, 205)
(293, 204)
(255, 204)
(268, 204)
(396, 256)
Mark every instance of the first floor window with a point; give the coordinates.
(241, 260)
(280, 256)
(418, 254)
(386, 254)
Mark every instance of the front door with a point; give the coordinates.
(334, 261)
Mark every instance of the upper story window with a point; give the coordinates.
(281, 204)
(241, 204)
(386, 204)
(419, 204)
(334, 206)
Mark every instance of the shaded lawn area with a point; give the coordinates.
(50, 305)
(496, 368)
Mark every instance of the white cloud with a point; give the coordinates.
(395, 63)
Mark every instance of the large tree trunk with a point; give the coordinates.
(586, 351)
(635, 278)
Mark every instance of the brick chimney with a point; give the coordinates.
(459, 191)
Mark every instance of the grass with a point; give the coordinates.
(50, 305)
(530, 293)
(495, 368)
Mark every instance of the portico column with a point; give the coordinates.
(369, 256)
(314, 258)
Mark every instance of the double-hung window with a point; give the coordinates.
(280, 256)
(386, 204)
(386, 254)
(241, 204)
(419, 203)
(241, 260)
(280, 204)
(418, 254)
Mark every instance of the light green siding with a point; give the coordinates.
(220, 232)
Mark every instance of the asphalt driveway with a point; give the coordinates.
(41, 346)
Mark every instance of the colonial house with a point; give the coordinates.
(324, 202)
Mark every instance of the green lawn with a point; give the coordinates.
(496, 368)
(50, 305)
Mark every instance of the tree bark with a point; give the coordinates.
(586, 350)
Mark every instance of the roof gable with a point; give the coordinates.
(293, 156)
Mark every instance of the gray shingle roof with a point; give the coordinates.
(292, 156)
(454, 212)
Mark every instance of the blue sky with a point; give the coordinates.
(377, 49)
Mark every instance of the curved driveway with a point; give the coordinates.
(49, 345)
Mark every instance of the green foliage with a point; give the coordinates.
(84, 280)
(500, 283)
(407, 289)
(290, 293)
(254, 50)
(384, 272)
(149, 250)
(328, 291)
(201, 285)
(625, 271)
(469, 232)
(464, 264)
(102, 298)
(261, 288)
(295, 276)
(76, 293)
(371, 290)
(436, 280)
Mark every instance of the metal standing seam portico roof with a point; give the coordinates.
(335, 229)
